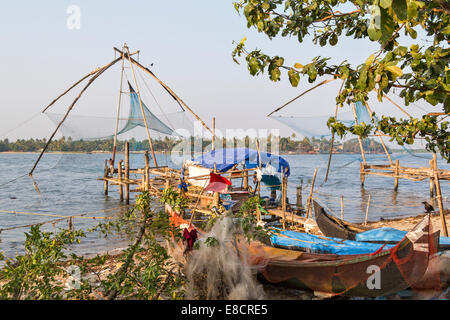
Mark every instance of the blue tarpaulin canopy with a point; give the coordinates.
(225, 159)
(321, 244)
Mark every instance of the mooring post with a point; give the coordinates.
(299, 203)
(146, 179)
(127, 172)
(397, 165)
(367, 211)
(431, 181)
(105, 176)
(361, 172)
(342, 207)
(119, 170)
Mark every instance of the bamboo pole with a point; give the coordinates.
(103, 69)
(142, 107)
(213, 133)
(303, 93)
(367, 211)
(332, 136)
(165, 87)
(118, 111)
(127, 172)
(309, 209)
(359, 138)
(342, 207)
(379, 136)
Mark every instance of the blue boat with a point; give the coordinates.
(301, 241)
(335, 227)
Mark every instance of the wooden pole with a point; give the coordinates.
(165, 87)
(127, 172)
(359, 138)
(301, 94)
(119, 170)
(213, 133)
(299, 202)
(441, 204)
(332, 136)
(361, 173)
(309, 207)
(367, 211)
(105, 175)
(379, 136)
(396, 174)
(118, 112)
(431, 180)
(342, 207)
(103, 69)
(439, 196)
(147, 165)
(142, 107)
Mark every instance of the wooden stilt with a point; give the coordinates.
(397, 164)
(361, 173)
(119, 171)
(146, 175)
(299, 202)
(431, 181)
(309, 206)
(105, 175)
(367, 211)
(127, 172)
(439, 197)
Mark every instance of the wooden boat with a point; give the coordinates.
(335, 227)
(369, 275)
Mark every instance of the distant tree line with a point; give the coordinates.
(286, 144)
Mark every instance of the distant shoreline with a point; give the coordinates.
(163, 152)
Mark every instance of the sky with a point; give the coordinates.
(189, 44)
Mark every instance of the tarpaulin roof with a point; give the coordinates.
(225, 159)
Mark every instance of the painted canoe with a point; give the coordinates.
(364, 275)
(335, 227)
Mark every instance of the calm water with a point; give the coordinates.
(68, 186)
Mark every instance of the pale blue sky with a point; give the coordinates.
(189, 42)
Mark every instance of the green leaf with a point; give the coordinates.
(294, 77)
(395, 70)
(385, 3)
(400, 9)
(370, 60)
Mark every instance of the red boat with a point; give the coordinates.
(364, 275)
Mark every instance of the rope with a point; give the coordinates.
(60, 217)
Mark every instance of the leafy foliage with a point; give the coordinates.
(39, 272)
(174, 199)
(145, 269)
(420, 71)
